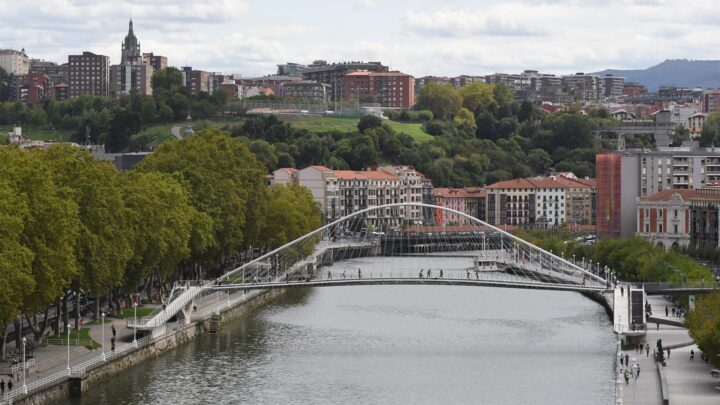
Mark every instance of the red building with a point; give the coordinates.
(609, 183)
(35, 88)
(392, 89)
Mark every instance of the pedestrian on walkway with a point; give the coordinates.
(467, 274)
(634, 372)
(329, 275)
(112, 344)
(627, 360)
(668, 352)
(2, 387)
(620, 359)
(343, 274)
(637, 371)
(359, 273)
(692, 355)
(647, 350)
(657, 325)
(627, 376)
(622, 291)
(666, 310)
(441, 273)
(9, 385)
(114, 331)
(673, 311)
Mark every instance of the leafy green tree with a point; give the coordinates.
(710, 135)
(291, 213)
(443, 100)
(122, 127)
(539, 161)
(50, 230)
(478, 96)
(15, 257)
(369, 122)
(226, 183)
(704, 326)
(466, 119)
(103, 245)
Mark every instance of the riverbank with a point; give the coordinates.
(684, 382)
(89, 369)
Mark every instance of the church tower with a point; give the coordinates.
(130, 48)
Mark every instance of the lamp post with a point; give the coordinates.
(68, 347)
(102, 319)
(24, 385)
(135, 329)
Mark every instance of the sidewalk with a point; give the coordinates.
(688, 383)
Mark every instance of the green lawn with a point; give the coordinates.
(42, 134)
(83, 339)
(341, 124)
(141, 311)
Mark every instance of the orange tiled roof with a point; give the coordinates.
(364, 175)
(666, 195)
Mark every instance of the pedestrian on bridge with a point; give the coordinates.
(622, 291)
(647, 350)
(627, 360)
(359, 273)
(467, 274)
(9, 385)
(692, 355)
(2, 387)
(666, 311)
(620, 358)
(429, 272)
(421, 273)
(329, 275)
(114, 331)
(673, 311)
(441, 273)
(668, 352)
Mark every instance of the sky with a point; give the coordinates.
(419, 37)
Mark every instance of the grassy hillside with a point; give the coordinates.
(321, 124)
(42, 134)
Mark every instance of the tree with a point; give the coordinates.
(466, 119)
(369, 121)
(292, 212)
(148, 111)
(122, 127)
(15, 257)
(704, 326)
(710, 135)
(477, 96)
(539, 161)
(443, 100)
(50, 228)
(225, 182)
(103, 244)
(166, 228)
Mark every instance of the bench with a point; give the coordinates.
(715, 373)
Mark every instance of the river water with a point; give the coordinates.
(388, 345)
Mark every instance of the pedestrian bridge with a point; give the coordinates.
(384, 245)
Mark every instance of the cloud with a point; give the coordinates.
(505, 20)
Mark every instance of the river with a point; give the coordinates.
(388, 345)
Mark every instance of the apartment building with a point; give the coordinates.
(704, 218)
(624, 176)
(342, 192)
(392, 89)
(306, 90)
(89, 74)
(157, 62)
(469, 200)
(334, 74)
(580, 196)
(14, 62)
(56, 73)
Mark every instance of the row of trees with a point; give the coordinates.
(632, 259)
(70, 223)
(113, 121)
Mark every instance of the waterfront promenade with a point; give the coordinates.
(688, 383)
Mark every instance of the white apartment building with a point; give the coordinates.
(536, 202)
(14, 62)
(344, 192)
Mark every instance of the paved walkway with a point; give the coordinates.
(688, 383)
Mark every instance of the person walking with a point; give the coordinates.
(622, 291)
(657, 325)
(343, 274)
(114, 331)
(627, 376)
(2, 387)
(441, 273)
(692, 355)
(666, 310)
(429, 273)
(647, 350)
(467, 274)
(112, 344)
(9, 385)
(633, 371)
(627, 360)
(668, 352)
(359, 273)
(620, 359)
(673, 311)
(637, 371)
(329, 275)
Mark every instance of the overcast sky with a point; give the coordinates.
(420, 37)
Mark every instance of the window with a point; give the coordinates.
(676, 217)
(675, 229)
(647, 228)
(660, 228)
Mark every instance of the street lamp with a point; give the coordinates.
(135, 329)
(102, 319)
(68, 347)
(24, 385)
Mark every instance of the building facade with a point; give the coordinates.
(157, 62)
(704, 217)
(334, 74)
(470, 201)
(57, 73)
(134, 73)
(14, 62)
(306, 90)
(89, 74)
(392, 89)
(664, 218)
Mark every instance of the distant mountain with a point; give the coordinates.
(673, 72)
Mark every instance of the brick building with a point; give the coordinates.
(392, 89)
(334, 74)
(664, 218)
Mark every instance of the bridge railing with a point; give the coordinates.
(692, 285)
